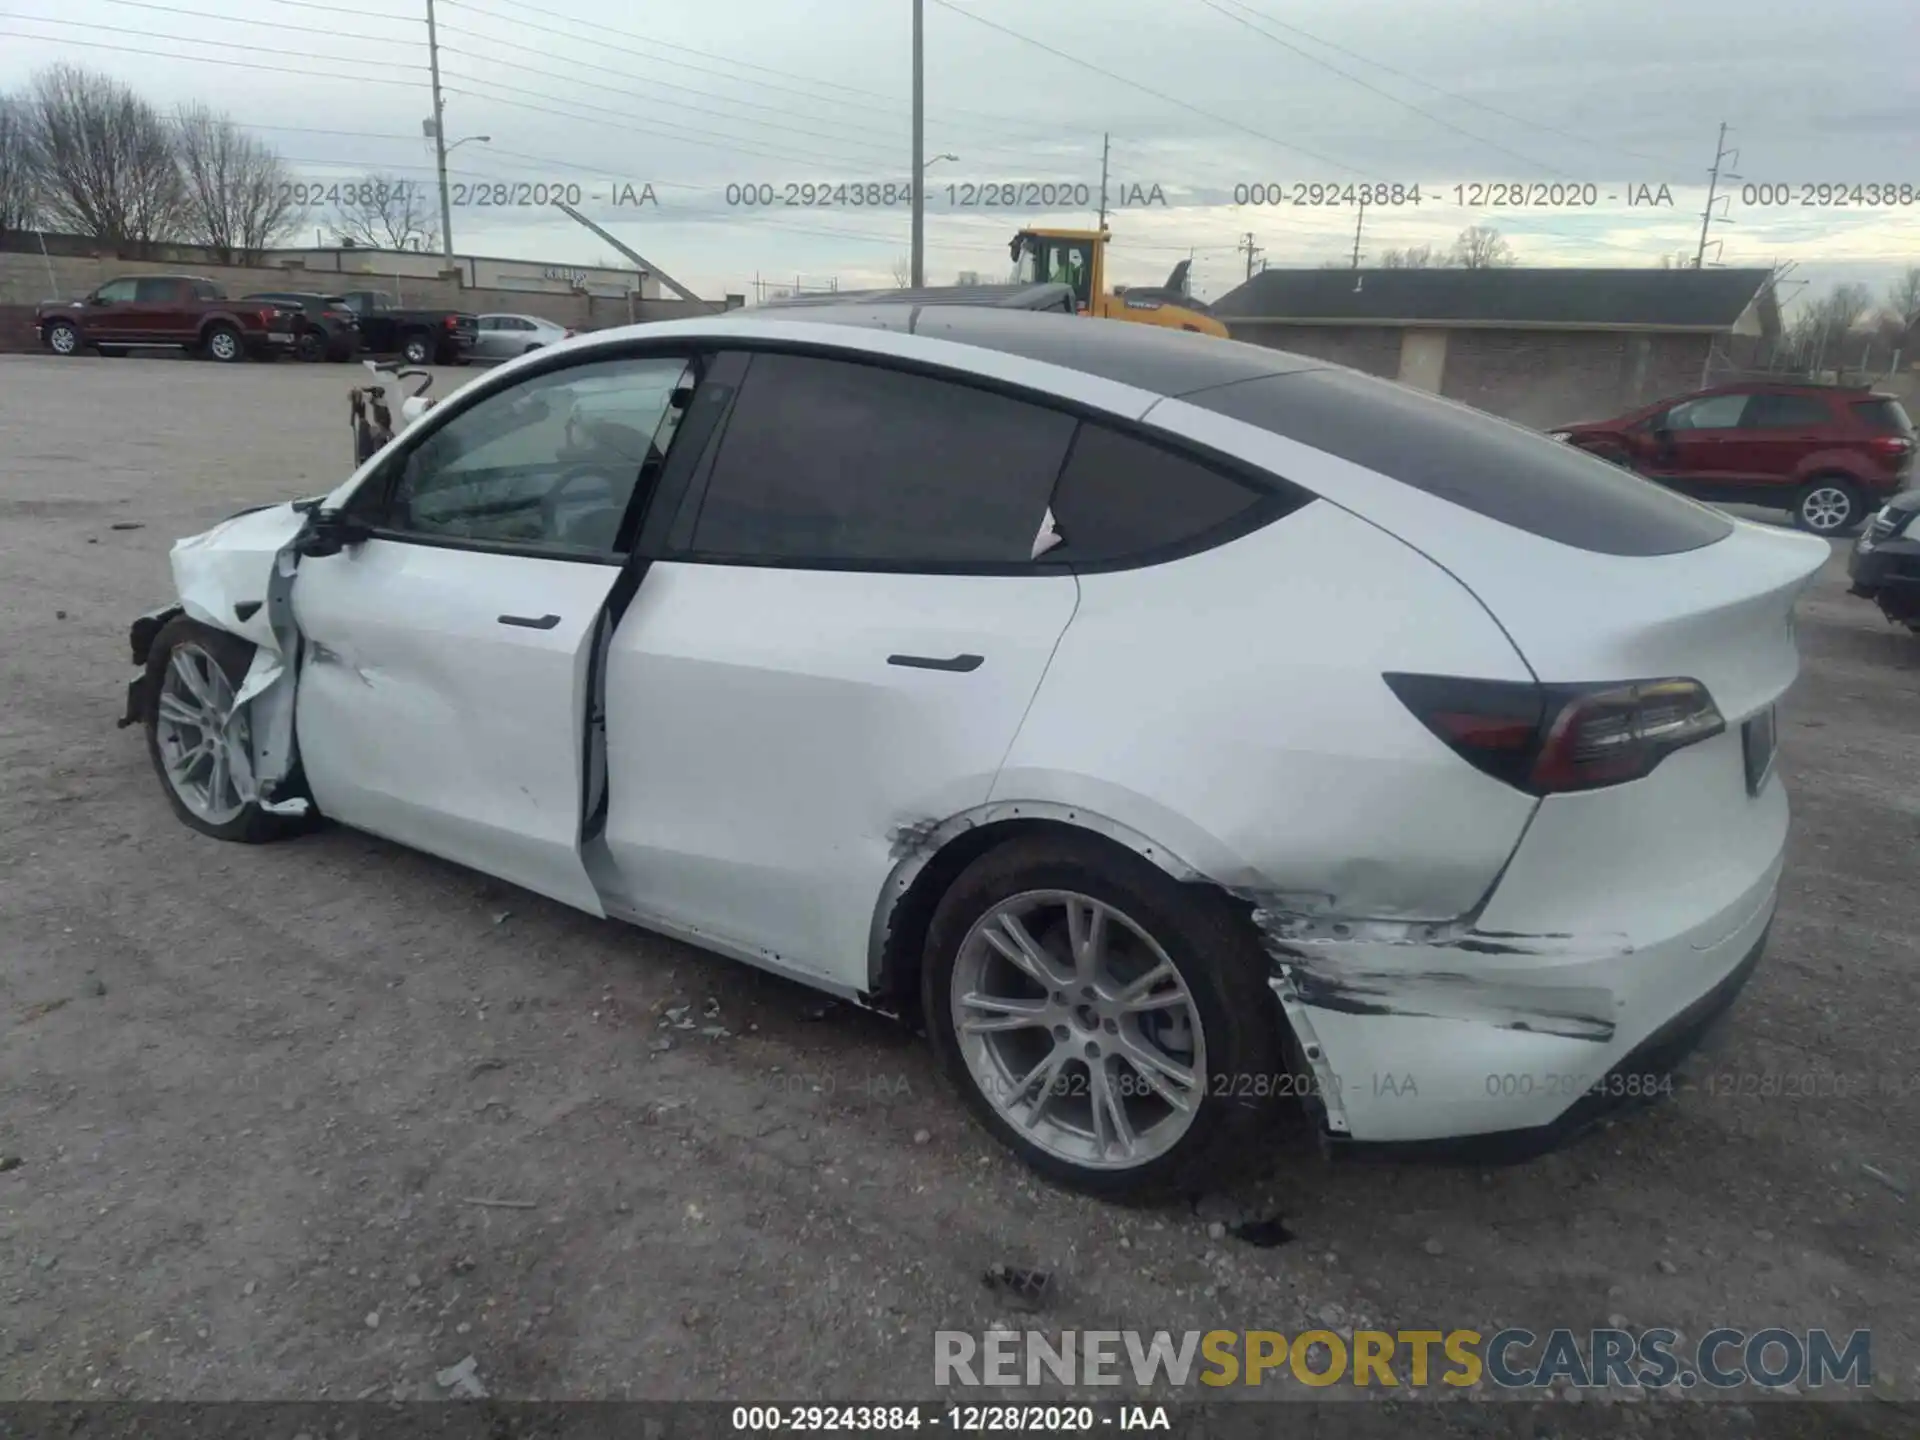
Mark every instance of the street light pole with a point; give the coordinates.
(439, 135)
(919, 267)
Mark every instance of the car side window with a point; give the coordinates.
(487, 322)
(160, 292)
(552, 463)
(118, 292)
(1121, 498)
(836, 462)
(1710, 412)
(1785, 412)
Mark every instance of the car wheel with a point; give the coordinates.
(417, 350)
(200, 749)
(223, 344)
(533, 347)
(63, 338)
(1828, 505)
(310, 346)
(1097, 1016)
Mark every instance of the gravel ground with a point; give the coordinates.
(257, 1095)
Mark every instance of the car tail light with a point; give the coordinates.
(266, 317)
(1892, 445)
(1551, 739)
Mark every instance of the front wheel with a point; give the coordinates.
(1100, 1019)
(201, 750)
(1829, 506)
(63, 338)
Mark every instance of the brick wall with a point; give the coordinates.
(1547, 377)
(1372, 348)
(24, 284)
(1537, 377)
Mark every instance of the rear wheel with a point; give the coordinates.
(223, 343)
(417, 350)
(1829, 505)
(1098, 1017)
(201, 750)
(310, 346)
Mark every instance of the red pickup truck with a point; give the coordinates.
(176, 311)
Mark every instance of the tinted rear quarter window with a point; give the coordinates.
(830, 461)
(1122, 499)
(1885, 414)
(1477, 462)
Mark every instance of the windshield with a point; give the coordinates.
(1045, 260)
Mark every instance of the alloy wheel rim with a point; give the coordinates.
(1078, 1027)
(63, 341)
(1826, 509)
(204, 746)
(223, 346)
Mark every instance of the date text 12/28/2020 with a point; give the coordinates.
(466, 195)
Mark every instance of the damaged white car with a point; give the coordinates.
(1179, 727)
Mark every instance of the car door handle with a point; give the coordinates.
(961, 663)
(527, 622)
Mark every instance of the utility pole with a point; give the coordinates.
(439, 135)
(1358, 225)
(1720, 155)
(919, 269)
(1252, 250)
(1106, 145)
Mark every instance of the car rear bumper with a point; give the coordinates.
(1883, 564)
(1498, 1045)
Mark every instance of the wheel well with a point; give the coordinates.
(897, 986)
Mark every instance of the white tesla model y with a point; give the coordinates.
(1177, 726)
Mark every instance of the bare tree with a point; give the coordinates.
(1818, 337)
(238, 199)
(107, 160)
(1413, 257)
(19, 169)
(1481, 247)
(902, 271)
(387, 213)
(1902, 321)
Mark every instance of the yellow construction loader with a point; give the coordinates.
(1078, 258)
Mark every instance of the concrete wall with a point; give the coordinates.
(24, 283)
(1537, 377)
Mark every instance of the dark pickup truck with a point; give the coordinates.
(421, 337)
(165, 311)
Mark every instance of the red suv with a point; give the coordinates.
(1830, 454)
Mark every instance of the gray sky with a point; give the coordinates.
(1210, 96)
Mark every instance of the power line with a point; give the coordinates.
(894, 108)
(218, 44)
(270, 24)
(866, 159)
(210, 60)
(1375, 89)
(344, 10)
(1450, 94)
(1149, 90)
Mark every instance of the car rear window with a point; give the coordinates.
(1885, 414)
(1502, 471)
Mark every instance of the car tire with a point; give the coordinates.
(310, 346)
(63, 338)
(533, 347)
(202, 793)
(417, 350)
(1829, 505)
(223, 343)
(1232, 1025)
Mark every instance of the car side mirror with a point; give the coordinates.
(328, 532)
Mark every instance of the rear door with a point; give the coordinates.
(835, 644)
(1778, 431)
(163, 312)
(443, 687)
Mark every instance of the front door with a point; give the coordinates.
(833, 652)
(1696, 445)
(109, 316)
(443, 684)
